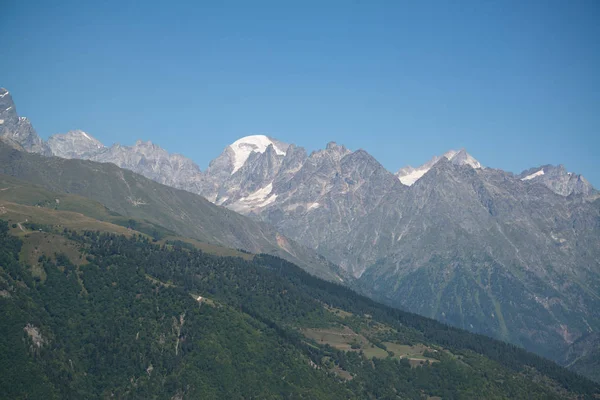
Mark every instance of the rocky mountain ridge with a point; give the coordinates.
(513, 256)
(18, 130)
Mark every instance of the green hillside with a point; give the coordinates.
(21, 201)
(111, 316)
(124, 193)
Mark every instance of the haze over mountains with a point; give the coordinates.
(516, 257)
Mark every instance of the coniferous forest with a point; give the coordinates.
(124, 317)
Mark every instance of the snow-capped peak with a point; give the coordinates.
(78, 135)
(242, 148)
(463, 158)
(409, 175)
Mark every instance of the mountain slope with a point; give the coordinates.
(448, 239)
(492, 232)
(583, 356)
(559, 180)
(488, 253)
(74, 144)
(409, 175)
(118, 323)
(451, 246)
(132, 195)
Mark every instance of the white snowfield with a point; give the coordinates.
(528, 177)
(2, 95)
(413, 176)
(409, 175)
(259, 198)
(242, 148)
(86, 135)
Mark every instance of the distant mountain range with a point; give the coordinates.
(516, 257)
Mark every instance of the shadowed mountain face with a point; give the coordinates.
(583, 356)
(514, 257)
(487, 252)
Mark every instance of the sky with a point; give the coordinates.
(516, 83)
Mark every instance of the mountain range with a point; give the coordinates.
(516, 257)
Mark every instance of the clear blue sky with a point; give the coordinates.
(517, 83)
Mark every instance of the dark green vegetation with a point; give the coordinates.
(131, 196)
(127, 318)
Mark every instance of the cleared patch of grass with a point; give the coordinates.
(414, 353)
(338, 312)
(344, 338)
(18, 214)
(159, 282)
(341, 338)
(37, 244)
(21, 201)
(373, 351)
(209, 248)
(203, 300)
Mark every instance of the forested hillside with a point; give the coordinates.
(96, 315)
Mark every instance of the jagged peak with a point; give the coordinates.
(77, 135)
(558, 179)
(334, 146)
(463, 158)
(409, 175)
(243, 147)
(361, 154)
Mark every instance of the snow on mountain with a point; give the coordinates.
(559, 180)
(260, 198)
(463, 158)
(242, 148)
(528, 177)
(409, 175)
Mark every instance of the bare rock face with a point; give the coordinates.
(74, 144)
(34, 334)
(559, 180)
(152, 161)
(16, 130)
(144, 158)
(409, 175)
